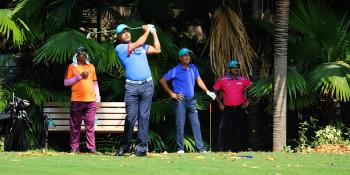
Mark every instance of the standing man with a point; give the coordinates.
(139, 86)
(233, 106)
(183, 77)
(85, 99)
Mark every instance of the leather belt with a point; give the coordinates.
(139, 81)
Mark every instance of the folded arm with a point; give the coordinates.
(71, 81)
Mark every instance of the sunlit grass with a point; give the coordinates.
(191, 163)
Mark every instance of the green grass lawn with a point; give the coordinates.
(191, 163)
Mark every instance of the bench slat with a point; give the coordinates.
(98, 116)
(100, 111)
(99, 129)
(99, 122)
(103, 104)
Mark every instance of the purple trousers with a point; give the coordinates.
(78, 112)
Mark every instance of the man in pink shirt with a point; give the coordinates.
(233, 106)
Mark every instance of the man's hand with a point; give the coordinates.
(84, 75)
(98, 105)
(222, 107)
(146, 28)
(177, 96)
(153, 28)
(211, 95)
(246, 104)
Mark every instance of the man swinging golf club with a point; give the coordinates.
(139, 86)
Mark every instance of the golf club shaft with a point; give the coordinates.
(109, 31)
(210, 126)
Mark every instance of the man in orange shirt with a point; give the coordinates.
(85, 99)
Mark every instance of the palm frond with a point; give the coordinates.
(34, 10)
(228, 39)
(31, 90)
(161, 110)
(60, 12)
(331, 79)
(319, 33)
(156, 72)
(5, 58)
(56, 49)
(296, 91)
(155, 141)
(109, 61)
(202, 100)
(10, 28)
(19, 6)
(189, 144)
(112, 88)
(4, 97)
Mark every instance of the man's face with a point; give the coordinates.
(81, 57)
(124, 36)
(235, 69)
(185, 59)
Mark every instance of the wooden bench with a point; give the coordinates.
(110, 118)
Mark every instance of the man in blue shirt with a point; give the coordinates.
(183, 77)
(139, 86)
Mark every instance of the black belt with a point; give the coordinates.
(234, 107)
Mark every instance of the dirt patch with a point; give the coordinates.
(331, 148)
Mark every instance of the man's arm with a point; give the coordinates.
(201, 84)
(97, 95)
(164, 84)
(71, 81)
(141, 40)
(221, 105)
(247, 101)
(205, 89)
(155, 49)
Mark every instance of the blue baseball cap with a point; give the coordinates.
(121, 27)
(232, 64)
(184, 51)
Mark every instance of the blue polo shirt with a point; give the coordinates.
(183, 80)
(135, 62)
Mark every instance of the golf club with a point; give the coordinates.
(88, 36)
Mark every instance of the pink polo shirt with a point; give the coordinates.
(233, 90)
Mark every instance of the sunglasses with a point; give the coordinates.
(235, 67)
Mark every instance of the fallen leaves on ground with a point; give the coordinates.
(271, 158)
(35, 153)
(332, 148)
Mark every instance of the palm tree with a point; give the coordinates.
(280, 76)
(12, 26)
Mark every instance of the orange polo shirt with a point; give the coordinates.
(83, 90)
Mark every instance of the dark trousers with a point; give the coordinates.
(230, 137)
(186, 108)
(138, 100)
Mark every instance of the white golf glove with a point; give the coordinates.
(152, 27)
(211, 95)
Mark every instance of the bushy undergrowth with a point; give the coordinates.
(311, 135)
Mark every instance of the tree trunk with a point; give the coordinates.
(280, 77)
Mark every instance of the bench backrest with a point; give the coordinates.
(110, 118)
